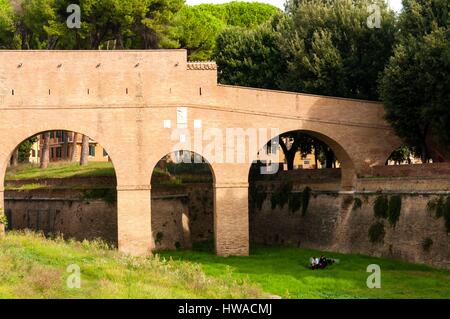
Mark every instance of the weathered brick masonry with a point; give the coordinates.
(121, 98)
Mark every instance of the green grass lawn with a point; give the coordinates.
(34, 267)
(284, 272)
(60, 170)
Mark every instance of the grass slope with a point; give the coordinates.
(284, 272)
(34, 267)
(60, 170)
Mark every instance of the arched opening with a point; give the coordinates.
(182, 202)
(310, 187)
(406, 155)
(62, 183)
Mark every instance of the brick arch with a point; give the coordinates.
(28, 132)
(347, 162)
(211, 168)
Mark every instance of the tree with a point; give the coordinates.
(15, 157)
(74, 147)
(84, 157)
(330, 50)
(246, 15)
(250, 57)
(414, 86)
(8, 40)
(24, 149)
(319, 46)
(45, 150)
(196, 30)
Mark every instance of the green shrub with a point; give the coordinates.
(376, 232)
(159, 238)
(357, 203)
(426, 244)
(394, 209)
(381, 206)
(3, 219)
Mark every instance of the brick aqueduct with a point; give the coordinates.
(122, 98)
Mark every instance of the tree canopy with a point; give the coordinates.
(414, 86)
(321, 46)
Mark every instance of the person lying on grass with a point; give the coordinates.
(321, 263)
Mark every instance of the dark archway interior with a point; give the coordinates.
(183, 202)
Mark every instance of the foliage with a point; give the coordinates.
(414, 84)
(249, 57)
(381, 206)
(109, 195)
(440, 206)
(426, 244)
(295, 202)
(258, 195)
(376, 232)
(280, 196)
(8, 40)
(357, 203)
(25, 149)
(306, 195)
(195, 30)
(322, 47)
(3, 219)
(159, 237)
(240, 14)
(394, 209)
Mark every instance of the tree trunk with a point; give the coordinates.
(45, 151)
(329, 158)
(84, 151)
(73, 151)
(316, 156)
(65, 150)
(15, 158)
(289, 154)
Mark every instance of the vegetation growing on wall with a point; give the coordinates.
(376, 232)
(395, 206)
(440, 208)
(109, 195)
(305, 199)
(280, 197)
(159, 238)
(357, 203)
(381, 206)
(426, 244)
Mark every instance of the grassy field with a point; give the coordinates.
(284, 272)
(34, 267)
(60, 170)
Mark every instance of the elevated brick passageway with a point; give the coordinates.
(128, 101)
